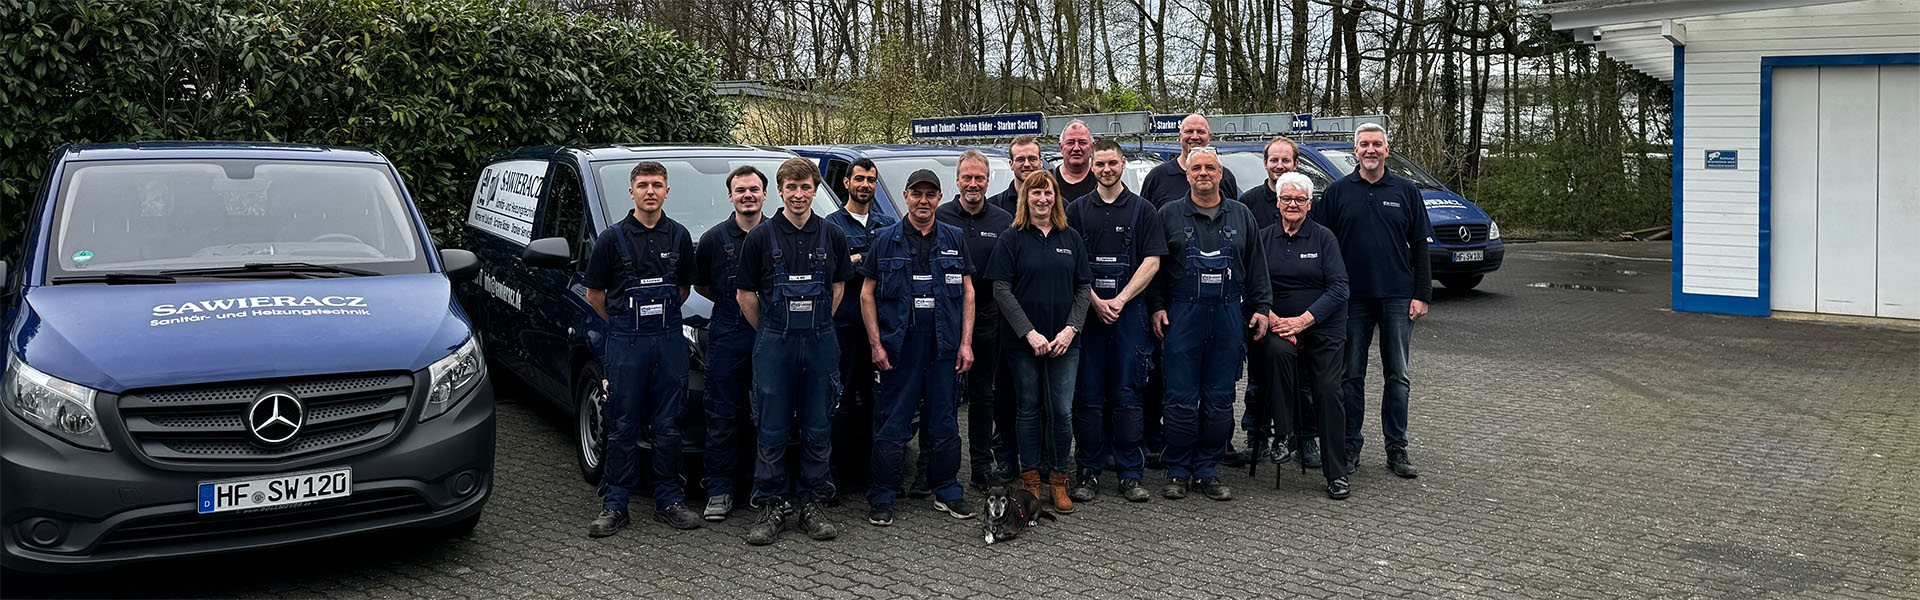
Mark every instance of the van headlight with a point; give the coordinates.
(452, 378)
(62, 408)
(1493, 229)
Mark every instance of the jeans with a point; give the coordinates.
(646, 382)
(1396, 335)
(794, 375)
(1044, 391)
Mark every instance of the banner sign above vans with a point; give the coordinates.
(979, 126)
(505, 199)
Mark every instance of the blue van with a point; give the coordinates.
(1465, 243)
(213, 347)
(896, 162)
(532, 222)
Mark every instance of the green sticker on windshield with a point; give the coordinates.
(82, 256)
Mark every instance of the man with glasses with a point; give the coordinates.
(1025, 153)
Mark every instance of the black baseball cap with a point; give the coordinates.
(923, 176)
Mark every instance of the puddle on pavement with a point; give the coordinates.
(1575, 286)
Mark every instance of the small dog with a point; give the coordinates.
(1010, 512)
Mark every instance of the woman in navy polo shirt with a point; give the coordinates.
(1309, 325)
(1043, 284)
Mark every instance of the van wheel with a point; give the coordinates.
(590, 398)
(1461, 283)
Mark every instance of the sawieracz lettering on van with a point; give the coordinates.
(164, 310)
(506, 198)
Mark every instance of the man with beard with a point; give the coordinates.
(990, 418)
(729, 338)
(854, 416)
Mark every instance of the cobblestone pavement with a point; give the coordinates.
(1574, 443)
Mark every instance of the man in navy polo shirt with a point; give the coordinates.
(792, 275)
(1382, 226)
(918, 306)
(1025, 160)
(729, 338)
(1125, 240)
(1168, 181)
(636, 279)
(990, 419)
(1074, 176)
(1210, 289)
(853, 416)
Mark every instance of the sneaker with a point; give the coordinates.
(608, 523)
(1133, 491)
(718, 507)
(773, 520)
(678, 516)
(813, 522)
(1085, 488)
(1310, 453)
(880, 515)
(1212, 488)
(920, 487)
(1338, 489)
(1234, 458)
(1281, 452)
(1175, 489)
(958, 507)
(1400, 464)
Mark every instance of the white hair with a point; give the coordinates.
(1071, 124)
(1296, 179)
(1366, 127)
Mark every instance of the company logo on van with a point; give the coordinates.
(225, 304)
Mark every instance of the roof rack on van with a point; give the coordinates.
(1137, 124)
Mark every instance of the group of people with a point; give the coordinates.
(1087, 328)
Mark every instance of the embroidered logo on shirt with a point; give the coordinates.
(1310, 255)
(989, 234)
(949, 252)
(1390, 203)
(1067, 251)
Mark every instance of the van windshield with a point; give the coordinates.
(697, 189)
(163, 215)
(1344, 161)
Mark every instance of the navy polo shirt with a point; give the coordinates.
(1382, 227)
(1256, 293)
(1168, 182)
(859, 238)
(1044, 271)
(1104, 227)
(653, 248)
(1064, 192)
(981, 232)
(798, 245)
(1308, 275)
(710, 260)
(1008, 200)
(1264, 204)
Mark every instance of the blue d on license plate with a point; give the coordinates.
(1469, 256)
(275, 490)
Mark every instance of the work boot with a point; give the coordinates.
(813, 522)
(718, 507)
(1212, 488)
(1175, 489)
(678, 516)
(1310, 453)
(1062, 500)
(1086, 487)
(1133, 491)
(1235, 458)
(608, 523)
(1400, 464)
(773, 520)
(1338, 488)
(1034, 484)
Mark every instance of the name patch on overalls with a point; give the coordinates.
(922, 302)
(926, 277)
(954, 278)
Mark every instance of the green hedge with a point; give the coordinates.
(435, 85)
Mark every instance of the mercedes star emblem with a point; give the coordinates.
(1466, 235)
(276, 418)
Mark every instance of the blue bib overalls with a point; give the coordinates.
(646, 370)
(919, 314)
(729, 378)
(795, 373)
(1107, 412)
(1204, 349)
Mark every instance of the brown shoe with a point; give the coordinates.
(1062, 502)
(1034, 485)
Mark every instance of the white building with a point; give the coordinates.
(1796, 130)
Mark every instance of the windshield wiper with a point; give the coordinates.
(115, 278)
(275, 268)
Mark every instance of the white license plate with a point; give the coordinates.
(276, 490)
(1469, 256)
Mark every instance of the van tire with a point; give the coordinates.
(589, 397)
(1462, 283)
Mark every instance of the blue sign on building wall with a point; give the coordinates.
(1723, 159)
(979, 126)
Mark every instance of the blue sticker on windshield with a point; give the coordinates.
(82, 256)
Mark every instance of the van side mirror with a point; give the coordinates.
(548, 253)
(461, 266)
